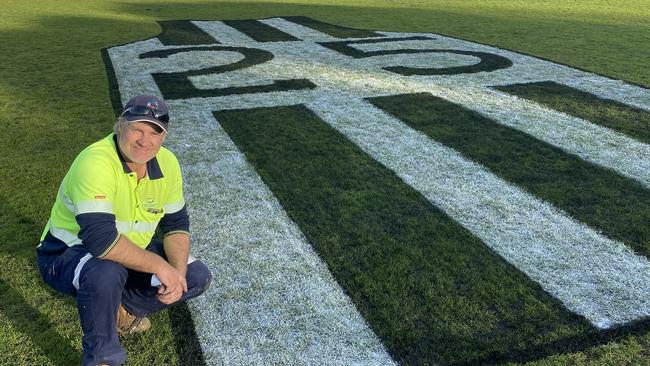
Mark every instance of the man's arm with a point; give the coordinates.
(177, 249)
(131, 256)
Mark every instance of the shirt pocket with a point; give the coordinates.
(153, 215)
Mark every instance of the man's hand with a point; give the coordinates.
(172, 280)
(173, 285)
(171, 274)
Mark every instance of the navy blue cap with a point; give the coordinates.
(146, 108)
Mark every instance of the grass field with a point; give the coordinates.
(54, 101)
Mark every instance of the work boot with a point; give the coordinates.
(129, 324)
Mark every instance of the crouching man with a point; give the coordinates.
(99, 243)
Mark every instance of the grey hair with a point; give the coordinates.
(119, 125)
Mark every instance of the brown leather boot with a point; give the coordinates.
(129, 324)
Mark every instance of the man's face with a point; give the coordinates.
(139, 142)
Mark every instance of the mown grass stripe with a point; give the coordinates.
(298, 30)
(608, 113)
(174, 87)
(488, 61)
(259, 31)
(430, 289)
(182, 32)
(629, 94)
(594, 276)
(272, 300)
(345, 47)
(177, 85)
(617, 206)
(223, 33)
(590, 142)
(333, 30)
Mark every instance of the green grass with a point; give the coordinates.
(489, 62)
(54, 101)
(182, 33)
(260, 31)
(617, 206)
(625, 119)
(428, 288)
(176, 85)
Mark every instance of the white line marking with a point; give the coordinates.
(597, 144)
(272, 300)
(596, 277)
(611, 89)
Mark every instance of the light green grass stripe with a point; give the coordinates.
(596, 277)
(431, 290)
(272, 300)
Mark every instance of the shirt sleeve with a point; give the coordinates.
(176, 218)
(91, 186)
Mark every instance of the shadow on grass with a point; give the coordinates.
(16, 232)
(32, 323)
(186, 342)
(580, 343)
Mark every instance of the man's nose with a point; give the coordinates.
(142, 139)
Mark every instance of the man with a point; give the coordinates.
(99, 243)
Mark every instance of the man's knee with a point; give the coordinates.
(198, 277)
(102, 274)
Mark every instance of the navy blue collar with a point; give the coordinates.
(153, 168)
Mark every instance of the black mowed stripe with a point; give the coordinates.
(259, 31)
(429, 289)
(608, 113)
(183, 32)
(333, 30)
(177, 85)
(615, 205)
(489, 61)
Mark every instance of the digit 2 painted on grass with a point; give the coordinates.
(322, 165)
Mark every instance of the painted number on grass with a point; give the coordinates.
(367, 85)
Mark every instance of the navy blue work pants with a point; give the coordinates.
(102, 285)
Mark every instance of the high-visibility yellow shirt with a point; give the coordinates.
(100, 198)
